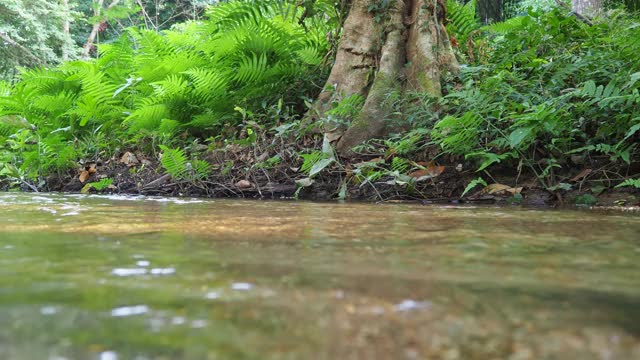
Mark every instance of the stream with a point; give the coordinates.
(118, 277)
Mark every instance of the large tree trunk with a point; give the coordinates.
(403, 47)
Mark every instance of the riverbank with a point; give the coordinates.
(273, 169)
(545, 124)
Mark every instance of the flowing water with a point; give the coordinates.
(97, 277)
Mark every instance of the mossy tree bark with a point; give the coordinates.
(397, 46)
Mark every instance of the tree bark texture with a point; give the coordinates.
(404, 47)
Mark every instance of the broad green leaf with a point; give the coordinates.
(517, 135)
(320, 165)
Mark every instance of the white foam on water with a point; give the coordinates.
(129, 310)
(108, 355)
(409, 305)
(128, 272)
(162, 271)
(241, 286)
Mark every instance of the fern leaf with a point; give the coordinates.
(174, 162)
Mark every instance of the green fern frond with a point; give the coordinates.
(505, 27)
(200, 170)
(310, 159)
(400, 165)
(173, 86)
(463, 19)
(147, 116)
(631, 183)
(458, 134)
(309, 55)
(174, 161)
(252, 69)
(207, 83)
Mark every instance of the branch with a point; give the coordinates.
(12, 42)
(86, 48)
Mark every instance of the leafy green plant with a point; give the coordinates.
(630, 183)
(550, 87)
(97, 185)
(473, 184)
(146, 87)
(174, 161)
(463, 21)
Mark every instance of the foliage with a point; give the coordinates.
(175, 162)
(630, 183)
(153, 86)
(97, 185)
(473, 184)
(551, 86)
(463, 21)
(31, 33)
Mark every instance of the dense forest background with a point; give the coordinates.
(543, 90)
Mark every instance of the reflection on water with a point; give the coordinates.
(98, 277)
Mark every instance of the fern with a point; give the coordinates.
(311, 159)
(200, 169)
(458, 134)
(400, 165)
(463, 19)
(473, 184)
(631, 183)
(252, 69)
(207, 84)
(98, 185)
(174, 161)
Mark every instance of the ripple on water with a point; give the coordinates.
(142, 271)
(409, 305)
(241, 286)
(108, 355)
(129, 310)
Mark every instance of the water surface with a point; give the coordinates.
(97, 277)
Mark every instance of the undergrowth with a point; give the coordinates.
(548, 95)
(148, 89)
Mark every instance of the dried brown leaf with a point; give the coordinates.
(243, 184)
(428, 173)
(501, 189)
(129, 159)
(581, 175)
(84, 175)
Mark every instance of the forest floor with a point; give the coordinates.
(244, 172)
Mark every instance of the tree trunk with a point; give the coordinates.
(65, 29)
(587, 7)
(489, 11)
(86, 48)
(404, 46)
